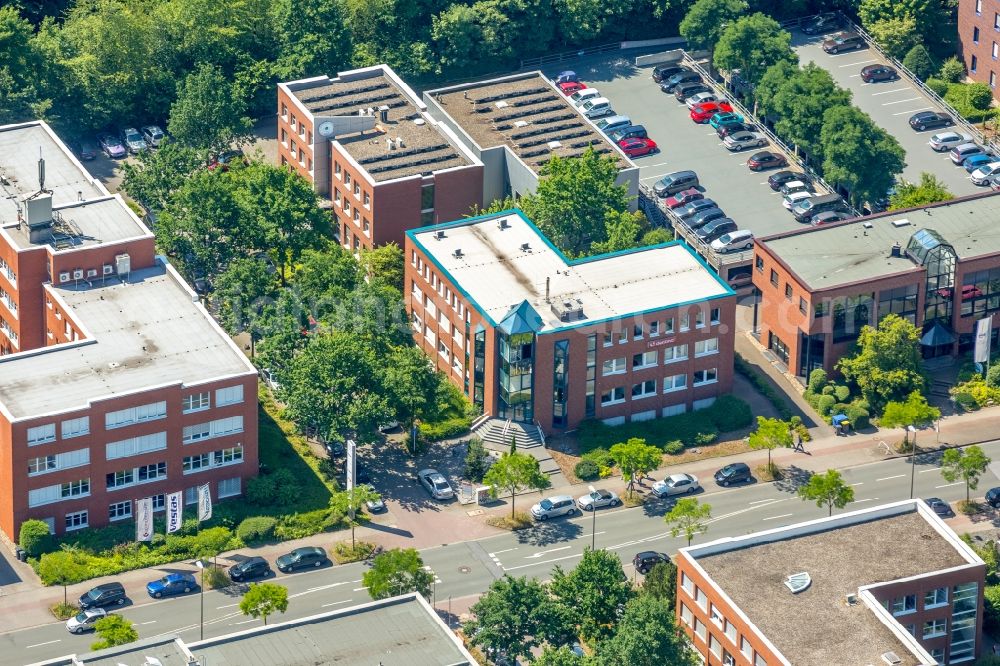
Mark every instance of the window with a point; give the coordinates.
(788, 291)
(759, 263)
(706, 347)
(903, 605)
(980, 293)
(120, 510)
(668, 325)
(745, 648)
(731, 631)
(228, 456)
(76, 520)
(623, 336)
(700, 629)
(427, 197)
(196, 402)
(993, 79)
(637, 332)
(716, 616)
(995, 51)
(675, 353)
(153, 472)
(347, 178)
(357, 191)
(230, 395)
(194, 463)
(613, 366)
(121, 479)
(774, 277)
(975, 34)
(336, 169)
(937, 654)
(191, 495)
(758, 660)
(699, 319)
(613, 396)
(674, 383)
(936, 598)
(229, 487)
(217, 428)
(686, 615)
(368, 200)
(42, 434)
(979, 7)
(136, 445)
(935, 628)
(41, 465)
(963, 622)
(996, 21)
(685, 321)
(714, 645)
(644, 360)
(716, 316)
(79, 488)
(701, 598)
(58, 492)
(973, 62)
(644, 389)
(702, 377)
(159, 502)
(140, 414)
(76, 427)
(803, 307)
(654, 329)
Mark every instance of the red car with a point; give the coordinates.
(636, 146)
(702, 113)
(766, 160)
(683, 198)
(570, 87)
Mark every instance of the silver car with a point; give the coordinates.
(553, 507)
(85, 620)
(984, 174)
(697, 99)
(676, 484)
(742, 140)
(595, 499)
(435, 484)
(133, 140)
(153, 135)
(947, 140)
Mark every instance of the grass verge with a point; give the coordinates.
(342, 551)
(63, 611)
(520, 521)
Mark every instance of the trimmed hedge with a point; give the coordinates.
(256, 529)
(587, 470)
(446, 429)
(34, 537)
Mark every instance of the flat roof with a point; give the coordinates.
(500, 268)
(401, 631)
(147, 330)
(82, 224)
(526, 113)
(424, 148)
(841, 555)
(860, 250)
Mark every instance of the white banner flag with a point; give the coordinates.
(983, 329)
(175, 511)
(144, 519)
(204, 502)
(351, 464)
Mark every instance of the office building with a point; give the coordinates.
(979, 40)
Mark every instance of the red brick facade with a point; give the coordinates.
(979, 40)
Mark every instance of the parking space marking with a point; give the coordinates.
(924, 108)
(861, 62)
(886, 478)
(650, 166)
(957, 483)
(889, 92)
(901, 101)
(784, 515)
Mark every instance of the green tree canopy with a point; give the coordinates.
(688, 517)
(596, 589)
(886, 364)
(911, 195)
(914, 411)
(208, 113)
(264, 599)
(661, 582)
(561, 656)
(967, 464)
(859, 155)
(706, 20)
(919, 61)
(515, 472)
(752, 44)
(397, 571)
(155, 175)
(313, 37)
(413, 386)
(647, 635)
(241, 292)
(770, 434)
(113, 630)
(384, 263)
(931, 18)
(635, 458)
(63, 567)
(350, 503)
(827, 489)
(34, 537)
(897, 35)
(21, 63)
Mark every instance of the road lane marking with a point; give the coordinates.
(226, 606)
(869, 499)
(901, 101)
(887, 92)
(505, 550)
(539, 563)
(886, 478)
(859, 483)
(948, 485)
(58, 640)
(784, 515)
(903, 113)
(650, 166)
(545, 552)
(335, 603)
(770, 499)
(236, 624)
(924, 471)
(152, 621)
(358, 589)
(861, 62)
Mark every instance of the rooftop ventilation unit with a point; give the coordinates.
(501, 104)
(389, 145)
(457, 253)
(851, 599)
(419, 121)
(439, 235)
(383, 113)
(891, 658)
(554, 144)
(867, 225)
(525, 247)
(502, 224)
(520, 123)
(798, 582)
(901, 223)
(399, 142)
(896, 250)
(568, 310)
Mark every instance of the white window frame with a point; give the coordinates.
(648, 359)
(938, 628)
(617, 366)
(932, 598)
(670, 384)
(134, 446)
(613, 401)
(73, 516)
(708, 347)
(196, 402)
(42, 434)
(229, 395)
(217, 428)
(673, 352)
(113, 515)
(226, 487)
(75, 427)
(648, 389)
(899, 606)
(139, 414)
(705, 373)
(42, 465)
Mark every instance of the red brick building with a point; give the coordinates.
(533, 337)
(366, 143)
(115, 383)
(892, 584)
(937, 266)
(979, 40)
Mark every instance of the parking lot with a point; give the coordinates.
(744, 195)
(890, 105)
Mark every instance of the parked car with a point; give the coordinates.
(335, 449)
(795, 186)
(225, 158)
(171, 584)
(153, 135)
(725, 118)
(108, 594)
(374, 506)
(133, 140)
(738, 280)
(676, 484)
(984, 174)
(597, 499)
(698, 98)
(85, 620)
(112, 146)
(695, 207)
(829, 217)
(822, 23)
(844, 41)
(964, 151)
(85, 150)
(435, 484)
(930, 119)
(674, 182)
(993, 497)
(939, 506)
(581, 96)
(743, 140)
(977, 161)
(677, 79)
(612, 123)
(567, 75)
(725, 130)
(638, 147)
(795, 197)
(701, 218)
(737, 472)
(873, 73)
(804, 210)
(947, 140)
(569, 87)
(716, 229)
(647, 559)
(301, 558)
(734, 241)
(598, 107)
(683, 198)
(666, 70)
(250, 568)
(630, 132)
(553, 507)
(685, 90)
(766, 160)
(776, 180)
(361, 474)
(701, 113)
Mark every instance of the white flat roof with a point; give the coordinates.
(497, 273)
(147, 331)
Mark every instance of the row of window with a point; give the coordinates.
(654, 328)
(647, 388)
(122, 510)
(650, 359)
(715, 644)
(59, 492)
(8, 272)
(220, 458)
(443, 290)
(136, 475)
(59, 461)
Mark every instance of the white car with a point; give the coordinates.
(595, 499)
(795, 186)
(695, 100)
(553, 507)
(676, 484)
(84, 620)
(153, 135)
(742, 239)
(434, 483)
(742, 140)
(947, 140)
(790, 200)
(984, 174)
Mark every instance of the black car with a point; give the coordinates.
(108, 594)
(700, 219)
(929, 120)
(733, 473)
(871, 73)
(732, 128)
(715, 229)
(646, 560)
(822, 23)
(694, 207)
(335, 449)
(993, 497)
(940, 507)
(301, 558)
(776, 180)
(685, 90)
(666, 70)
(844, 41)
(251, 567)
(361, 474)
(670, 84)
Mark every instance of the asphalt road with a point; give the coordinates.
(467, 568)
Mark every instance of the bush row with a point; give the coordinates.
(829, 398)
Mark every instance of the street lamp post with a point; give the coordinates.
(201, 590)
(913, 458)
(593, 519)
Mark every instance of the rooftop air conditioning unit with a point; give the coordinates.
(901, 223)
(851, 599)
(520, 123)
(891, 658)
(867, 225)
(107, 269)
(91, 272)
(457, 253)
(78, 274)
(64, 277)
(501, 104)
(502, 223)
(439, 235)
(525, 247)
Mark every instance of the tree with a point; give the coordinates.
(325, 278)
(241, 292)
(471, 37)
(635, 457)
(596, 589)
(915, 411)
(859, 155)
(263, 599)
(952, 70)
(688, 517)
(931, 18)
(155, 175)
(561, 656)
(114, 630)
(63, 567)
(887, 364)
(476, 460)
(34, 537)
(622, 231)
(753, 44)
(656, 236)
(661, 582)
(770, 434)
(349, 503)
(911, 195)
(978, 95)
(647, 635)
(827, 490)
(384, 263)
(208, 113)
(20, 63)
(412, 384)
(314, 37)
(967, 464)
(707, 19)
(514, 472)
(896, 35)
(919, 61)
(514, 616)
(397, 571)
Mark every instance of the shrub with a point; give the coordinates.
(991, 595)
(817, 380)
(256, 529)
(992, 377)
(606, 471)
(261, 491)
(599, 456)
(286, 489)
(824, 404)
(216, 578)
(971, 100)
(301, 525)
(858, 416)
(965, 400)
(34, 537)
(674, 447)
(827, 390)
(703, 438)
(952, 70)
(939, 87)
(979, 96)
(841, 392)
(477, 460)
(587, 470)
(918, 60)
(445, 429)
(763, 386)
(729, 413)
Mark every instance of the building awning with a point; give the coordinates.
(937, 335)
(521, 319)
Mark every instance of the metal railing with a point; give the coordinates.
(541, 435)
(569, 55)
(506, 427)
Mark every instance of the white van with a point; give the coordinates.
(581, 96)
(598, 107)
(741, 239)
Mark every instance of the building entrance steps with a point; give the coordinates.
(497, 433)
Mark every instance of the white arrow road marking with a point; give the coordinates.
(544, 552)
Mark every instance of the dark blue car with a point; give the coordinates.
(175, 583)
